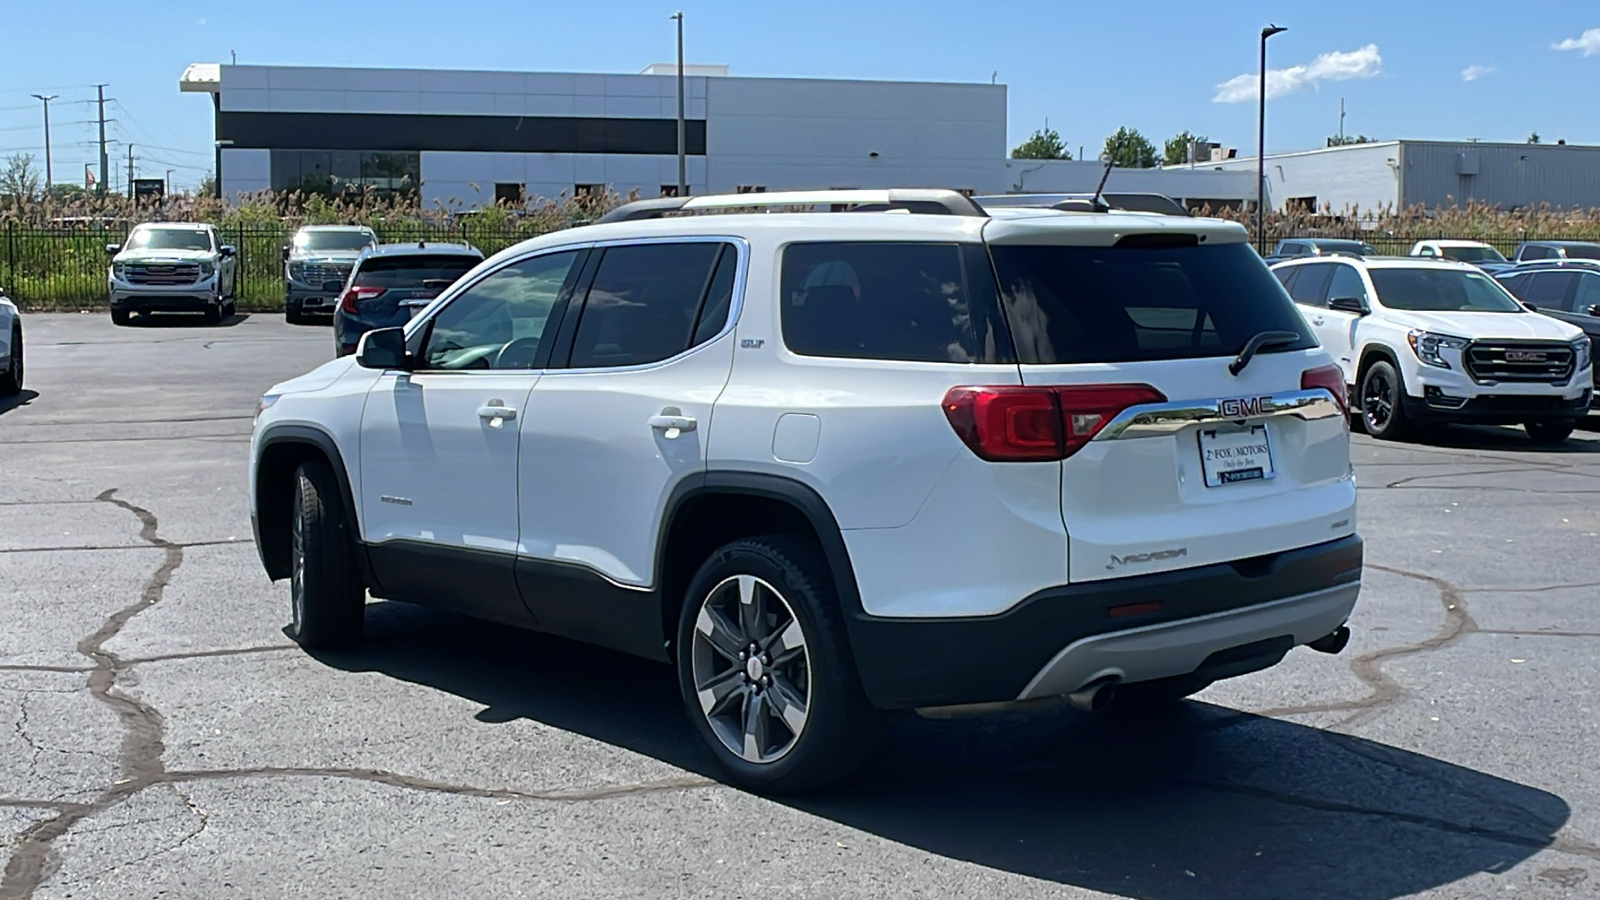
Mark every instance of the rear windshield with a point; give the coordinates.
(1583, 251)
(1129, 304)
(1360, 247)
(1441, 290)
(910, 301)
(333, 240)
(413, 271)
(1472, 254)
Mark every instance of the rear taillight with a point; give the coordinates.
(355, 295)
(1329, 378)
(1023, 423)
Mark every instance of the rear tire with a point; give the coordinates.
(326, 595)
(1383, 409)
(11, 378)
(121, 317)
(794, 718)
(1549, 432)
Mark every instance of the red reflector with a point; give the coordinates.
(1020, 423)
(1331, 379)
(355, 295)
(1133, 609)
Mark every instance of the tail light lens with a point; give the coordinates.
(1330, 379)
(1024, 423)
(352, 296)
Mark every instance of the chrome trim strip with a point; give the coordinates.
(1153, 419)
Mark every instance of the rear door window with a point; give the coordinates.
(1550, 290)
(1588, 293)
(1311, 288)
(1135, 303)
(909, 301)
(644, 303)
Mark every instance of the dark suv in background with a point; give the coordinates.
(1568, 293)
(390, 283)
(1300, 248)
(316, 264)
(1533, 251)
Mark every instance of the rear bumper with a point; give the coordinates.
(1065, 633)
(1499, 409)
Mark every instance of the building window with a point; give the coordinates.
(508, 193)
(751, 189)
(336, 172)
(966, 192)
(669, 190)
(587, 191)
(1304, 206)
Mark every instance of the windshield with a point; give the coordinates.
(1472, 254)
(1361, 247)
(168, 239)
(1582, 251)
(1128, 304)
(333, 240)
(1441, 290)
(414, 271)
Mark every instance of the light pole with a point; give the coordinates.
(166, 189)
(1261, 139)
(683, 178)
(46, 98)
(220, 144)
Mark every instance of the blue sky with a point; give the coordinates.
(1089, 67)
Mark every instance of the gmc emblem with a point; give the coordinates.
(1243, 407)
(1525, 356)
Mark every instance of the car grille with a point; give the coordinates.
(317, 273)
(1545, 362)
(163, 273)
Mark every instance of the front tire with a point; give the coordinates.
(11, 378)
(121, 317)
(326, 595)
(765, 671)
(1383, 410)
(1549, 432)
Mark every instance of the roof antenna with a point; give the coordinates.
(1099, 204)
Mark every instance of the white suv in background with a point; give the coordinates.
(172, 267)
(831, 463)
(1423, 341)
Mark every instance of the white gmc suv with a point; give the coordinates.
(1433, 341)
(898, 453)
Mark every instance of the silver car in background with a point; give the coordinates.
(316, 264)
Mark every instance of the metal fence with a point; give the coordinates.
(65, 268)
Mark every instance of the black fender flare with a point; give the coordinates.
(323, 442)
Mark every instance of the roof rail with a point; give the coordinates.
(929, 201)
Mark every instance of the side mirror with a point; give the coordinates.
(113, 249)
(228, 250)
(1529, 306)
(382, 348)
(1592, 311)
(285, 252)
(333, 287)
(1349, 305)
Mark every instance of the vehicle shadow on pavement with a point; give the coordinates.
(1489, 437)
(22, 398)
(1196, 801)
(184, 320)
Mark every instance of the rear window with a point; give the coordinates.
(414, 271)
(1130, 304)
(1583, 251)
(1472, 254)
(910, 301)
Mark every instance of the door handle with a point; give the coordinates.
(673, 422)
(495, 412)
(1317, 321)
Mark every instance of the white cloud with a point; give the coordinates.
(1334, 66)
(1475, 71)
(200, 22)
(1588, 42)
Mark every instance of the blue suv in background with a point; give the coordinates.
(391, 282)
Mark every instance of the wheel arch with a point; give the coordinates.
(1370, 354)
(720, 507)
(281, 450)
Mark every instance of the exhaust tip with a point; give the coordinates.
(1094, 696)
(1332, 643)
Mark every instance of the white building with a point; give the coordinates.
(1430, 174)
(462, 139)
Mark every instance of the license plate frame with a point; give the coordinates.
(1235, 455)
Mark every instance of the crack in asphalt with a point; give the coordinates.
(1532, 590)
(1368, 667)
(75, 547)
(209, 654)
(61, 424)
(395, 779)
(127, 440)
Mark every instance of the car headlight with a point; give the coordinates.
(266, 403)
(207, 268)
(1427, 345)
(297, 271)
(1583, 353)
(119, 271)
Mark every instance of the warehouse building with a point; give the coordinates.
(1430, 174)
(464, 139)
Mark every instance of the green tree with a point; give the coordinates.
(1176, 149)
(1130, 149)
(1533, 138)
(1345, 140)
(1042, 144)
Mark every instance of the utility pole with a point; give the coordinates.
(46, 98)
(130, 171)
(105, 163)
(683, 177)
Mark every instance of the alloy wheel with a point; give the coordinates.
(1377, 404)
(297, 560)
(751, 669)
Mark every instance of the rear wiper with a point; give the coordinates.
(1261, 341)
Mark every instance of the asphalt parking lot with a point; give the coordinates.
(162, 737)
